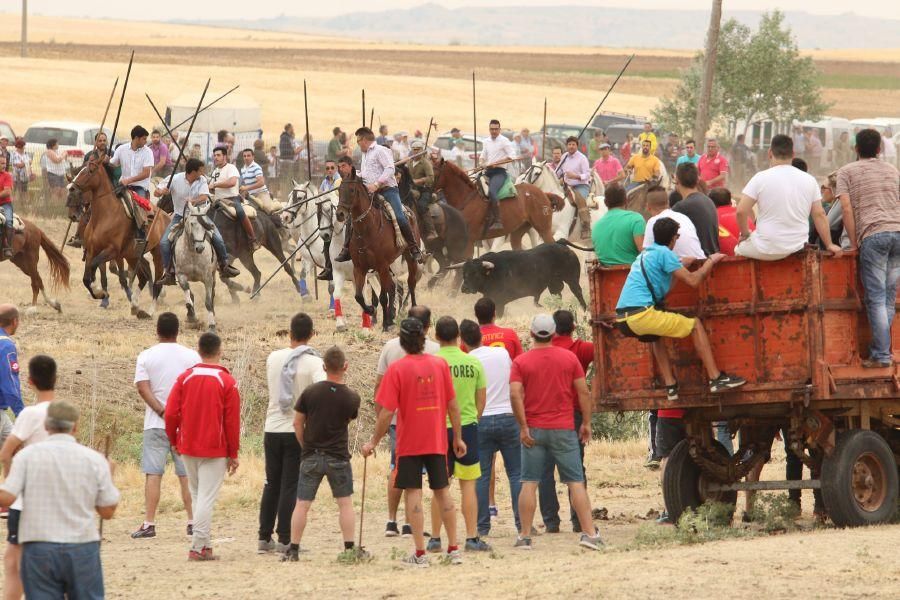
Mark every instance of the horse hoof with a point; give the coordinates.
(57, 307)
(134, 311)
(105, 304)
(142, 314)
(191, 319)
(340, 328)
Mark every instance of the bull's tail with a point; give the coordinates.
(59, 265)
(566, 242)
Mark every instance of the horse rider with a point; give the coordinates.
(136, 161)
(421, 174)
(226, 188)
(100, 153)
(575, 172)
(377, 172)
(495, 149)
(644, 167)
(6, 207)
(253, 182)
(331, 181)
(190, 187)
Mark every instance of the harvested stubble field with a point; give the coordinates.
(96, 350)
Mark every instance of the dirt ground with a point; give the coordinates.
(96, 349)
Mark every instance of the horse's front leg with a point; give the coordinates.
(359, 281)
(388, 292)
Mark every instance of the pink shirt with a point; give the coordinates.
(712, 168)
(607, 169)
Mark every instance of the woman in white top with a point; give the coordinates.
(54, 165)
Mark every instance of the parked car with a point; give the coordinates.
(605, 119)
(557, 135)
(444, 142)
(76, 138)
(6, 131)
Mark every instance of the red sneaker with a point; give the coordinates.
(203, 555)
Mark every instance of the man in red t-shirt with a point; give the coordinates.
(713, 165)
(729, 233)
(491, 334)
(6, 207)
(419, 388)
(543, 385)
(584, 352)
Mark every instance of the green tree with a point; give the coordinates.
(758, 75)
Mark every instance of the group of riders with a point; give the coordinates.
(130, 166)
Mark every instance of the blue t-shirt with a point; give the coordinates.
(660, 263)
(10, 392)
(685, 158)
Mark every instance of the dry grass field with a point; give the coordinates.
(96, 350)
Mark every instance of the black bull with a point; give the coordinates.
(513, 274)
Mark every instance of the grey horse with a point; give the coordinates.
(195, 260)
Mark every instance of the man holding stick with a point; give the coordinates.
(496, 149)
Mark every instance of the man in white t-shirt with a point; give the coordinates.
(786, 198)
(225, 186)
(27, 430)
(687, 246)
(289, 371)
(155, 373)
(390, 353)
(498, 430)
(136, 162)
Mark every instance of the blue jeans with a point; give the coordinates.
(165, 246)
(51, 570)
(547, 499)
(496, 178)
(7, 210)
(498, 433)
(392, 195)
(238, 204)
(584, 190)
(879, 266)
(723, 436)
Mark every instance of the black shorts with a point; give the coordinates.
(409, 471)
(12, 526)
(466, 467)
(668, 433)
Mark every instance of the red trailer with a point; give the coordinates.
(795, 329)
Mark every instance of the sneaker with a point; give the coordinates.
(664, 519)
(725, 382)
(390, 530)
(552, 528)
(433, 546)
(875, 364)
(477, 545)
(591, 541)
(672, 392)
(406, 531)
(652, 463)
(265, 546)
(204, 555)
(145, 531)
(493, 511)
(522, 543)
(455, 556)
(290, 555)
(282, 548)
(415, 561)
(189, 529)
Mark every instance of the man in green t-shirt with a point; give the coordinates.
(619, 235)
(335, 145)
(470, 386)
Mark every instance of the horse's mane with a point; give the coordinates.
(457, 172)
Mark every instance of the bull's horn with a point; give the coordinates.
(455, 266)
(487, 265)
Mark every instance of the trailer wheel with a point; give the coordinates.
(684, 484)
(859, 480)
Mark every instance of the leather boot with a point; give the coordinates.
(494, 216)
(251, 234)
(326, 274)
(584, 215)
(8, 249)
(227, 271)
(412, 244)
(344, 256)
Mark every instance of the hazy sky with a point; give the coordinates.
(227, 9)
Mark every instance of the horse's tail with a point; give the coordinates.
(59, 265)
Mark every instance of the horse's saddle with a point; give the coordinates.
(388, 212)
(267, 206)
(507, 190)
(18, 223)
(228, 209)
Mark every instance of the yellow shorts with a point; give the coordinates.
(661, 323)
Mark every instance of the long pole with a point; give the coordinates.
(106, 456)
(112, 139)
(364, 107)
(174, 127)
(596, 110)
(371, 117)
(108, 104)
(24, 28)
(308, 144)
(544, 134)
(474, 120)
(428, 133)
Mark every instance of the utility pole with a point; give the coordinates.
(701, 123)
(24, 28)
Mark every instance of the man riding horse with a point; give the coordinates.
(496, 149)
(190, 187)
(421, 173)
(102, 153)
(575, 172)
(136, 162)
(377, 172)
(226, 185)
(331, 181)
(6, 207)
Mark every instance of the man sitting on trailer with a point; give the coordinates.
(641, 311)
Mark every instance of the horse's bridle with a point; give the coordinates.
(371, 197)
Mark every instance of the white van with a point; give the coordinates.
(77, 138)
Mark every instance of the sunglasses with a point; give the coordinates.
(330, 168)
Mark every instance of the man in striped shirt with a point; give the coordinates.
(253, 182)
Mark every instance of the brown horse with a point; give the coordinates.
(109, 236)
(373, 247)
(26, 252)
(530, 208)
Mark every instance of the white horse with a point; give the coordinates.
(195, 260)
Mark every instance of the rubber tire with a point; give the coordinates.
(837, 479)
(681, 479)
